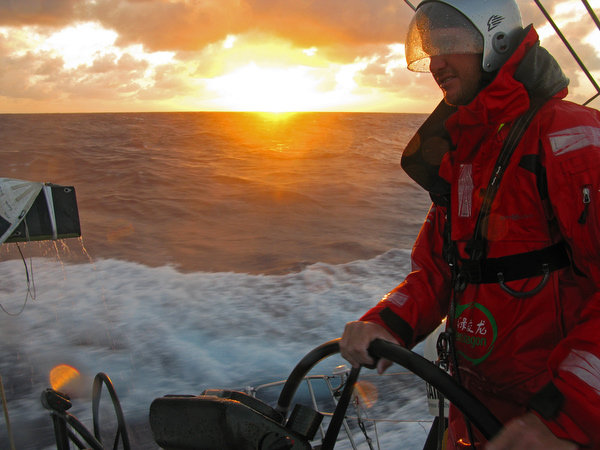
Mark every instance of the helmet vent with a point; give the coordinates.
(501, 42)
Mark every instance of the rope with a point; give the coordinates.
(5, 407)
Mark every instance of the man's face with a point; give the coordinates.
(458, 76)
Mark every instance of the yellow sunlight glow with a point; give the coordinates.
(63, 375)
(270, 89)
(80, 44)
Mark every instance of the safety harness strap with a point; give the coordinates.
(477, 246)
(515, 267)
(474, 269)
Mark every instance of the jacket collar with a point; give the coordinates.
(530, 71)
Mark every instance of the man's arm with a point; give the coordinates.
(414, 308)
(571, 143)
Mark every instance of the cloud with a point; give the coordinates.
(162, 25)
(111, 63)
(18, 71)
(333, 22)
(580, 31)
(37, 12)
(270, 33)
(387, 72)
(41, 75)
(191, 25)
(343, 29)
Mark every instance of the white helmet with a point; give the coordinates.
(442, 27)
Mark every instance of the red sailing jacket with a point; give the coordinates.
(509, 348)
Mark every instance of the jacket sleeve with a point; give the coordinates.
(416, 307)
(572, 160)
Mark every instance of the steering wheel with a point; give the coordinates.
(470, 406)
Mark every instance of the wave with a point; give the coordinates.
(156, 330)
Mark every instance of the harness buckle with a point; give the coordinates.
(443, 349)
(460, 282)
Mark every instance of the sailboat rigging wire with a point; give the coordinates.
(414, 8)
(591, 13)
(31, 291)
(570, 48)
(361, 424)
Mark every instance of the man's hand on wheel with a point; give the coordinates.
(355, 342)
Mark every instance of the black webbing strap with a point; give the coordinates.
(547, 402)
(477, 245)
(516, 267)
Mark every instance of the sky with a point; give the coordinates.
(236, 55)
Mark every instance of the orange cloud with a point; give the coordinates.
(160, 54)
(166, 25)
(36, 12)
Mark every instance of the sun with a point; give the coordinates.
(269, 89)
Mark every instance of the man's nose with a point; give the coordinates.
(436, 63)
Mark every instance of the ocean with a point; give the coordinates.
(217, 249)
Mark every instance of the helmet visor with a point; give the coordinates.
(438, 29)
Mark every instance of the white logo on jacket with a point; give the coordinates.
(465, 190)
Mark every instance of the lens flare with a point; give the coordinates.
(366, 393)
(63, 375)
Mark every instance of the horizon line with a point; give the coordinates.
(208, 111)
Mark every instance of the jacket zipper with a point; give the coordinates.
(587, 198)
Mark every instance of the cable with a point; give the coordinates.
(30, 284)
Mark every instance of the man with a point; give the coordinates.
(510, 250)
